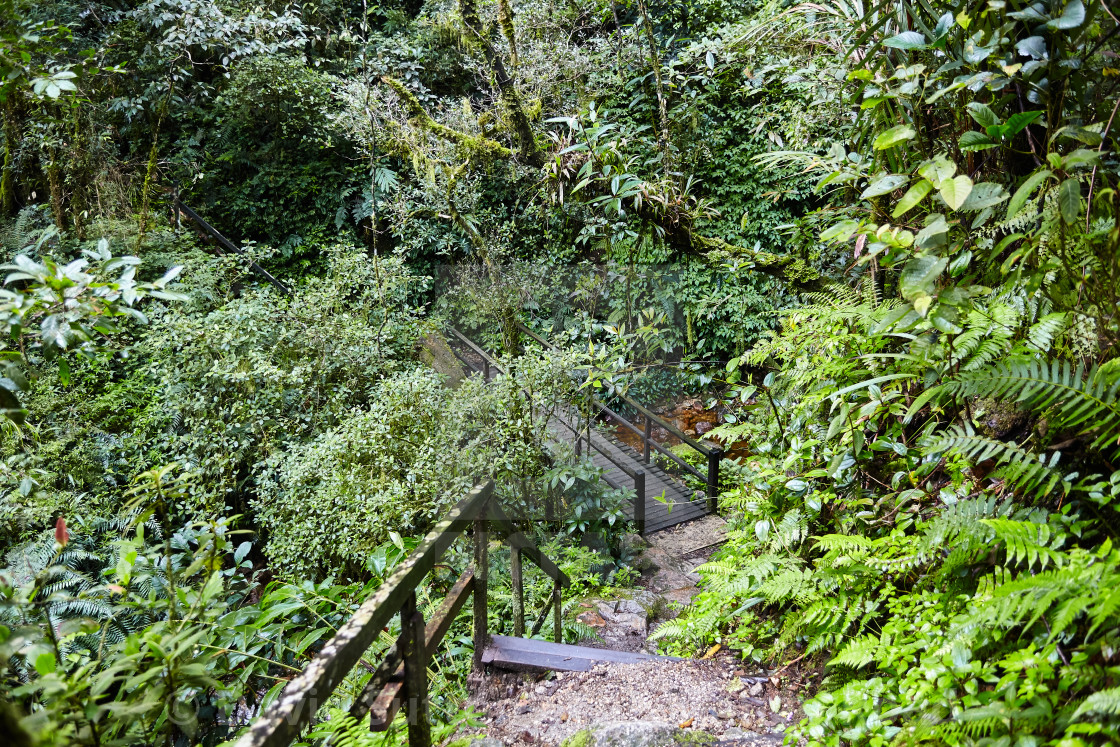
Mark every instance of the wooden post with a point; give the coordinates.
(557, 623)
(485, 369)
(640, 502)
(518, 592)
(415, 674)
(481, 575)
(713, 477)
(645, 440)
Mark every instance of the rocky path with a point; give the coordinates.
(647, 704)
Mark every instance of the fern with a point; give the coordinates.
(1020, 469)
(1075, 397)
(1102, 703)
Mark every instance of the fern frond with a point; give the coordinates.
(1078, 397)
(1104, 702)
(1021, 469)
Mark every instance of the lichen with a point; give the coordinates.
(579, 739)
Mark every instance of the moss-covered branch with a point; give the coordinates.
(474, 146)
(511, 99)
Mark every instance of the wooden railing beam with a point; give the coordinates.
(300, 699)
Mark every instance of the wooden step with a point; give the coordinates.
(526, 654)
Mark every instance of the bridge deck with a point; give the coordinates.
(668, 501)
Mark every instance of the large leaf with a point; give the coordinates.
(1033, 47)
(1016, 123)
(1071, 18)
(983, 114)
(885, 184)
(938, 169)
(906, 40)
(1069, 200)
(920, 274)
(913, 196)
(975, 141)
(894, 136)
(955, 191)
(984, 195)
(1025, 190)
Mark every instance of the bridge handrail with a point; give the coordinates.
(401, 676)
(712, 452)
(700, 446)
(213, 232)
(638, 476)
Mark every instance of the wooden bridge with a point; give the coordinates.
(400, 680)
(660, 500)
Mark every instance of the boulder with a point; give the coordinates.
(435, 353)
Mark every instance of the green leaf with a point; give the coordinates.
(1080, 157)
(885, 184)
(1071, 18)
(1017, 122)
(975, 141)
(983, 115)
(906, 40)
(1023, 193)
(955, 191)
(919, 275)
(938, 169)
(894, 136)
(1033, 47)
(45, 663)
(984, 195)
(913, 196)
(974, 53)
(1069, 200)
(934, 234)
(841, 232)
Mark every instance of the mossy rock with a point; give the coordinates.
(435, 353)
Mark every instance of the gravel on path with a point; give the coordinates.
(713, 697)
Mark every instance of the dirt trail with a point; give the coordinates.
(720, 697)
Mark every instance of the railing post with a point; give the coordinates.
(481, 573)
(645, 440)
(415, 674)
(485, 370)
(640, 502)
(518, 592)
(713, 477)
(557, 622)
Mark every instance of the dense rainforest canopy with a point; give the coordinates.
(878, 241)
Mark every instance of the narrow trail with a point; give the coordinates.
(660, 702)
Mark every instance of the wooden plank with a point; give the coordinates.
(297, 704)
(416, 673)
(533, 655)
(377, 697)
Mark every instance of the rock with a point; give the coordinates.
(755, 690)
(592, 619)
(636, 734)
(486, 742)
(632, 544)
(522, 710)
(734, 733)
(703, 427)
(629, 607)
(435, 353)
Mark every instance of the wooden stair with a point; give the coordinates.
(529, 655)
